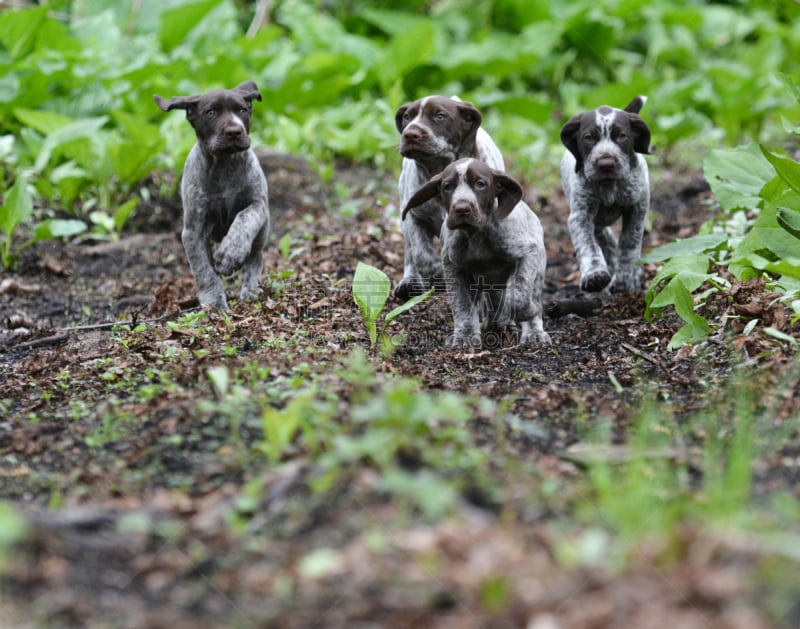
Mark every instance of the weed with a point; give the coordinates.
(371, 288)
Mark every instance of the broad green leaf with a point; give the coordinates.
(85, 128)
(19, 30)
(696, 327)
(177, 23)
(18, 206)
(408, 305)
(370, 291)
(787, 169)
(687, 246)
(58, 228)
(124, 212)
(790, 221)
(406, 50)
(736, 176)
(45, 122)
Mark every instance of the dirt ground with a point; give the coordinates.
(139, 523)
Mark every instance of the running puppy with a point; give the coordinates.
(605, 178)
(493, 256)
(224, 193)
(434, 132)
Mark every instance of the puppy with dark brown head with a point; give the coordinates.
(605, 178)
(493, 256)
(224, 192)
(434, 132)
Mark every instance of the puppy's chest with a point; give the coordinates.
(491, 265)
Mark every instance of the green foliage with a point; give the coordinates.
(18, 207)
(76, 87)
(418, 442)
(371, 288)
(758, 235)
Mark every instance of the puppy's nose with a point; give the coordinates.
(606, 162)
(460, 208)
(234, 131)
(412, 133)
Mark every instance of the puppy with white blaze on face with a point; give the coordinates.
(605, 178)
(434, 132)
(493, 256)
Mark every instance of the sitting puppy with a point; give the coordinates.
(604, 178)
(434, 132)
(224, 192)
(493, 255)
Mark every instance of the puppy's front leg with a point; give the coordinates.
(594, 271)
(196, 239)
(465, 306)
(238, 242)
(253, 265)
(422, 263)
(629, 276)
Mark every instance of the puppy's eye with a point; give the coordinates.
(622, 136)
(448, 186)
(480, 184)
(588, 137)
(244, 110)
(210, 113)
(439, 116)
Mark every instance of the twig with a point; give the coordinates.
(580, 307)
(44, 342)
(260, 18)
(643, 355)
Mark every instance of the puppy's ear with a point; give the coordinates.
(248, 90)
(641, 135)
(508, 193)
(471, 119)
(635, 106)
(425, 193)
(176, 102)
(398, 116)
(570, 139)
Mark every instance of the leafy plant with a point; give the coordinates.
(371, 289)
(757, 236)
(17, 209)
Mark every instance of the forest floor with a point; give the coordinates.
(151, 497)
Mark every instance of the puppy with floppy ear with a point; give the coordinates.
(224, 192)
(493, 256)
(605, 178)
(434, 132)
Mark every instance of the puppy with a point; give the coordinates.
(605, 178)
(434, 132)
(493, 255)
(224, 192)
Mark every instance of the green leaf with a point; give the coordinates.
(57, 228)
(370, 291)
(407, 50)
(124, 212)
(408, 305)
(17, 208)
(696, 328)
(737, 175)
(787, 169)
(19, 29)
(177, 23)
(82, 129)
(687, 246)
(789, 220)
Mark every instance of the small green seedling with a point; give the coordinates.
(371, 288)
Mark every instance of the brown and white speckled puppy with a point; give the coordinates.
(605, 178)
(493, 256)
(224, 192)
(434, 132)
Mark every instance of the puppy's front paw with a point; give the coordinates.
(408, 287)
(249, 293)
(213, 300)
(630, 279)
(595, 281)
(229, 256)
(464, 341)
